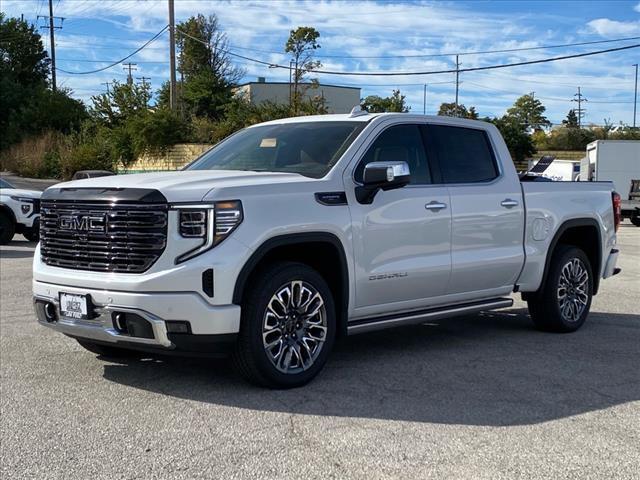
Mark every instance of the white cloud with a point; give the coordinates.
(613, 28)
(637, 8)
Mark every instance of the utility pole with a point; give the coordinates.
(581, 111)
(173, 101)
(424, 100)
(457, 82)
(131, 67)
(635, 96)
(52, 39)
(107, 84)
(143, 80)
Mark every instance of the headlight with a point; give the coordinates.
(24, 199)
(213, 223)
(27, 203)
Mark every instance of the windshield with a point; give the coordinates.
(307, 148)
(5, 184)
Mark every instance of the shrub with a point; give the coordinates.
(37, 156)
(93, 155)
(157, 131)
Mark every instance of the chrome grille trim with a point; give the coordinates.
(135, 236)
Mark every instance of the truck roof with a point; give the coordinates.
(366, 117)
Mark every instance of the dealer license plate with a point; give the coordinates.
(74, 306)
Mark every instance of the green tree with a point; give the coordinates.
(206, 67)
(376, 104)
(529, 111)
(27, 107)
(519, 143)
(23, 57)
(301, 44)
(460, 111)
(572, 119)
(122, 102)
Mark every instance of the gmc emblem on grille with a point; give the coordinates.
(83, 223)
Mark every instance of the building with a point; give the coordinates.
(338, 99)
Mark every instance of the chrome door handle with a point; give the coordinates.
(508, 203)
(435, 206)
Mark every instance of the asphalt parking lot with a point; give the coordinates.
(484, 396)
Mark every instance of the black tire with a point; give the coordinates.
(105, 350)
(32, 234)
(636, 220)
(253, 359)
(545, 305)
(7, 228)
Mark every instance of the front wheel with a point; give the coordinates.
(7, 228)
(32, 234)
(288, 326)
(563, 302)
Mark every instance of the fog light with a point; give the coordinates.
(25, 208)
(178, 327)
(50, 314)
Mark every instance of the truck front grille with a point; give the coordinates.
(102, 237)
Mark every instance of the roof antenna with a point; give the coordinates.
(357, 111)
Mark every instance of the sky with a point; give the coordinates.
(410, 36)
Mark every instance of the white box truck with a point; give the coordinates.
(617, 161)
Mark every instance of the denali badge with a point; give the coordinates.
(387, 276)
(83, 223)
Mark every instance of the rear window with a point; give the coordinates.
(464, 154)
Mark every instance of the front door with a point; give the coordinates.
(402, 240)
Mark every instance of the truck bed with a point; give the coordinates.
(548, 206)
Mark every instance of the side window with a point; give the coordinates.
(464, 154)
(400, 143)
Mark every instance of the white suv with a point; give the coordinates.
(19, 212)
(292, 233)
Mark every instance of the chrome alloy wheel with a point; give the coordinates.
(573, 290)
(294, 327)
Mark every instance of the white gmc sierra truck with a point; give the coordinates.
(292, 233)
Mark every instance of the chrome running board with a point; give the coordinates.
(421, 316)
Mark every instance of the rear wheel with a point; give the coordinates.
(563, 302)
(105, 350)
(7, 228)
(288, 326)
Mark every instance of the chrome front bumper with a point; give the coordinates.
(101, 328)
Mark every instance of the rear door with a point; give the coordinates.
(401, 240)
(487, 215)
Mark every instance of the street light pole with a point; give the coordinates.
(635, 96)
(424, 100)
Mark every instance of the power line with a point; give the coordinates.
(450, 54)
(433, 72)
(545, 98)
(470, 69)
(119, 61)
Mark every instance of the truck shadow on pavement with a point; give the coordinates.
(8, 252)
(491, 369)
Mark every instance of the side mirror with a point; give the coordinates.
(382, 176)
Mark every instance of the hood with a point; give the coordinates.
(183, 186)
(18, 192)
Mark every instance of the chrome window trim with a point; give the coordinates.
(368, 141)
